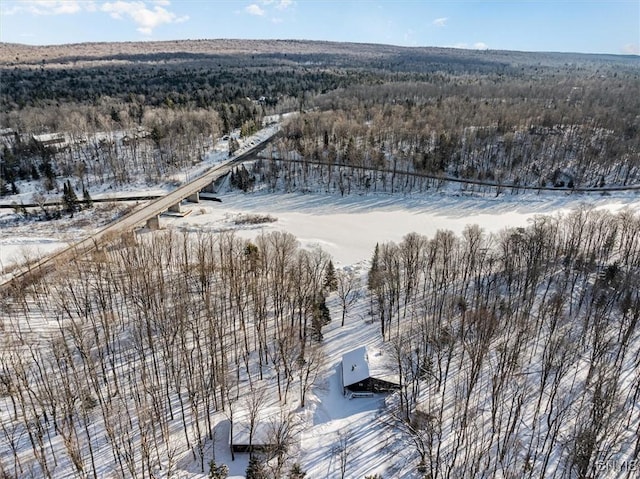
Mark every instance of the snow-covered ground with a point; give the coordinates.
(349, 227)
(218, 153)
(346, 227)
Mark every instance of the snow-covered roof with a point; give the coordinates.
(262, 434)
(355, 366)
(50, 138)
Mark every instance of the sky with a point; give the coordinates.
(604, 26)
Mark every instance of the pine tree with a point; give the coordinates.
(255, 469)
(325, 315)
(373, 279)
(320, 317)
(330, 279)
(87, 198)
(69, 198)
(218, 471)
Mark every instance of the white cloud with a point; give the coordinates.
(46, 7)
(147, 15)
(264, 8)
(480, 46)
(283, 4)
(440, 22)
(279, 4)
(254, 9)
(146, 18)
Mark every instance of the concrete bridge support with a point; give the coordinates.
(153, 223)
(175, 208)
(194, 198)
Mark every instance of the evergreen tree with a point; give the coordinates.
(330, 278)
(87, 198)
(69, 198)
(218, 471)
(242, 179)
(320, 317)
(256, 469)
(46, 169)
(373, 279)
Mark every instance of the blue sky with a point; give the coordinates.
(607, 26)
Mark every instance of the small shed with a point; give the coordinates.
(260, 442)
(356, 376)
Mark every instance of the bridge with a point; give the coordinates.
(149, 216)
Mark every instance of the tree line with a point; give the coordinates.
(579, 133)
(519, 119)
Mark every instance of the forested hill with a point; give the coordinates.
(294, 51)
(206, 73)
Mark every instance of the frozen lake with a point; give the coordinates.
(349, 227)
(346, 227)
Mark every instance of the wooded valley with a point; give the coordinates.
(516, 353)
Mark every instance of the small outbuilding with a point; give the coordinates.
(261, 440)
(356, 377)
(54, 141)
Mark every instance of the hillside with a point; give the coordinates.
(12, 54)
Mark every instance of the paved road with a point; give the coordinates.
(133, 219)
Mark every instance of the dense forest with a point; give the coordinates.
(505, 117)
(580, 132)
